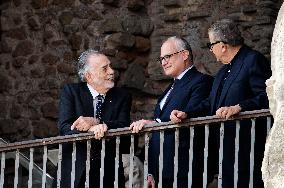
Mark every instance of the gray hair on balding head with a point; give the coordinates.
(82, 64)
(181, 44)
(226, 30)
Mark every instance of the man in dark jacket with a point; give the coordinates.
(188, 88)
(238, 86)
(93, 105)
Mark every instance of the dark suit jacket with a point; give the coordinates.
(245, 85)
(187, 93)
(76, 100)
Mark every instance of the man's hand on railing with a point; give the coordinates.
(151, 181)
(228, 111)
(138, 125)
(84, 123)
(99, 130)
(177, 116)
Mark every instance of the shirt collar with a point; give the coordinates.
(94, 93)
(183, 73)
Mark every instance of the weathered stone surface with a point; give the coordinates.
(135, 4)
(34, 23)
(4, 109)
(111, 25)
(4, 47)
(49, 59)
(63, 3)
(136, 25)
(142, 44)
(16, 111)
(5, 81)
(39, 4)
(133, 77)
(111, 2)
(86, 12)
(23, 48)
(33, 59)
(66, 18)
(66, 68)
(44, 128)
(120, 40)
(273, 162)
(17, 33)
(172, 3)
(50, 110)
(155, 71)
(76, 42)
(87, 1)
(19, 62)
(36, 72)
(50, 83)
(5, 126)
(141, 61)
(118, 64)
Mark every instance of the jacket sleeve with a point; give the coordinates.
(199, 104)
(258, 72)
(66, 112)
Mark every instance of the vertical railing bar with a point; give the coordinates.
(268, 124)
(102, 169)
(236, 164)
(221, 155)
(87, 183)
(176, 157)
(146, 160)
(43, 181)
(190, 157)
(31, 165)
(116, 161)
(252, 152)
(161, 159)
(131, 158)
(205, 156)
(16, 178)
(2, 169)
(59, 165)
(73, 165)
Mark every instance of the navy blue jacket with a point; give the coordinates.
(76, 100)
(187, 93)
(245, 85)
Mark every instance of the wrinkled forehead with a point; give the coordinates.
(98, 60)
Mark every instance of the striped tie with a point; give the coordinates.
(100, 99)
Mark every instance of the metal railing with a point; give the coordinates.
(117, 133)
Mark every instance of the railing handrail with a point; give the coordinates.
(125, 131)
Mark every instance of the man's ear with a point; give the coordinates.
(224, 48)
(185, 55)
(87, 76)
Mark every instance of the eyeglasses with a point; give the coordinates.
(167, 57)
(210, 45)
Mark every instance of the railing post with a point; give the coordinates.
(161, 159)
(59, 165)
(146, 160)
(2, 170)
(176, 157)
(31, 165)
(16, 178)
(87, 183)
(131, 156)
(190, 156)
(102, 169)
(205, 156)
(73, 165)
(236, 164)
(252, 152)
(117, 141)
(221, 155)
(44, 166)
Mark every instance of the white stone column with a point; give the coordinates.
(273, 162)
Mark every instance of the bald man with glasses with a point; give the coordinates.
(187, 89)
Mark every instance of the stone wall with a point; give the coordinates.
(41, 40)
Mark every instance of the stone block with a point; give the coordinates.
(66, 68)
(133, 77)
(50, 110)
(111, 25)
(66, 18)
(142, 44)
(49, 59)
(6, 83)
(16, 111)
(118, 64)
(19, 62)
(63, 3)
(120, 40)
(23, 48)
(44, 128)
(86, 12)
(137, 25)
(76, 41)
(17, 33)
(135, 5)
(34, 24)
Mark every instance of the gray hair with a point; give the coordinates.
(226, 30)
(181, 44)
(82, 64)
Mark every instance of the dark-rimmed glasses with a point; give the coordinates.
(210, 45)
(167, 57)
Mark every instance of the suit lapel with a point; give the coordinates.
(236, 67)
(108, 107)
(87, 101)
